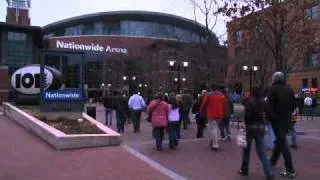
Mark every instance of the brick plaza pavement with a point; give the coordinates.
(25, 156)
(194, 160)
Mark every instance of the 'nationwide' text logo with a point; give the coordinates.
(62, 95)
(90, 47)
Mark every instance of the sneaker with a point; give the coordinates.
(229, 137)
(214, 148)
(223, 139)
(243, 173)
(288, 174)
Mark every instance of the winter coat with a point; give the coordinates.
(121, 105)
(160, 113)
(186, 102)
(281, 103)
(213, 106)
(255, 116)
(108, 102)
(196, 110)
(229, 109)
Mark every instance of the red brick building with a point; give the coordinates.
(306, 66)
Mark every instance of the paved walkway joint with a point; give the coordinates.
(154, 164)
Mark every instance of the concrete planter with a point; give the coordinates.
(59, 139)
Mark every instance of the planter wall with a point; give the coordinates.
(59, 139)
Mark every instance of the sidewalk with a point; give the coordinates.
(194, 159)
(26, 157)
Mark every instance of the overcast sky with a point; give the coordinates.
(43, 12)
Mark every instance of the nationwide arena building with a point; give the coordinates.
(123, 49)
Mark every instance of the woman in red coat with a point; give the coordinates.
(158, 109)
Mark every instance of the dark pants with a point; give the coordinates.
(135, 118)
(121, 118)
(179, 130)
(185, 119)
(109, 117)
(201, 123)
(224, 126)
(281, 147)
(259, 141)
(173, 128)
(158, 134)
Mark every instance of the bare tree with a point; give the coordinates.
(208, 11)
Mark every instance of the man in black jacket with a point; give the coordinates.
(121, 107)
(281, 102)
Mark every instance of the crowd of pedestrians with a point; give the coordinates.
(271, 112)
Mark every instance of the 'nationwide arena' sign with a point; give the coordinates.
(90, 47)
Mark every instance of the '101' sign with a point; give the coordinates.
(26, 80)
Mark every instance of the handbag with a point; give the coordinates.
(242, 139)
(149, 114)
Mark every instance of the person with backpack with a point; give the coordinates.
(174, 125)
(159, 111)
(255, 117)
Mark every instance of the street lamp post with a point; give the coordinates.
(251, 69)
(178, 67)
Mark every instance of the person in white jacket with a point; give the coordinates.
(136, 105)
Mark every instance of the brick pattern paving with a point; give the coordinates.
(194, 159)
(26, 157)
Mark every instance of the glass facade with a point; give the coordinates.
(131, 28)
(69, 66)
(19, 50)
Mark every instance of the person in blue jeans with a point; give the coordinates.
(293, 137)
(109, 105)
(224, 125)
(270, 138)
(255, 109)
(173, 121)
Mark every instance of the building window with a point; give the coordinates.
(314, 83)
(312, 61)
(136, 28)
(304, 83)
(239, 36)
(88, 29)
(112, 28)
(19, 51)
(98, 28)
(312, 13)
(75, 30)
(17, 36)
